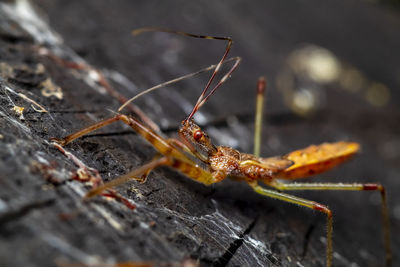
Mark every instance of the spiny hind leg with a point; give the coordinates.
(306, 203)
(261, 84)
(350, 187)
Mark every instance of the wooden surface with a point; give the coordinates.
(43, 221)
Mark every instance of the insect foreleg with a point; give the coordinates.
(132, 175)
(64, 141)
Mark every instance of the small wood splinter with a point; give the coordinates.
(221, 161)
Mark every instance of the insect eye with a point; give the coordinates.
(197, 135)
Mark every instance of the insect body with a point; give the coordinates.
(195, 148)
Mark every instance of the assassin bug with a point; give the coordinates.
(218, 162)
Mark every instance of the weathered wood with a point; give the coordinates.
(43, 221)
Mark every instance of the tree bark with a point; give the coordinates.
(50, 89)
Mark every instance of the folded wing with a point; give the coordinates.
(317, 158)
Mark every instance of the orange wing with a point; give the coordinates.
(316, 159)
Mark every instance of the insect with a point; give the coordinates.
(199, 159)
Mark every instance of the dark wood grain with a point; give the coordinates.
(43, 221)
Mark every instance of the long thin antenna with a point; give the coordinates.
(173, 81)
(202, 98)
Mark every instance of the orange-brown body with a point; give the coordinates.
(225, 161)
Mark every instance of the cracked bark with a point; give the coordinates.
(176, 218)
(234, 246)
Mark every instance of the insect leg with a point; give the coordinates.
(68, 139)
(177, 144)
(259, 114)
(160, 144)
(172, 150)
(350, 187)
(306, 203)
(146, 174)
(192, 171)
(129, 176)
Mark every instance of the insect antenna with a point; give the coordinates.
(174, 81)
(203, 97)
(200, 102)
